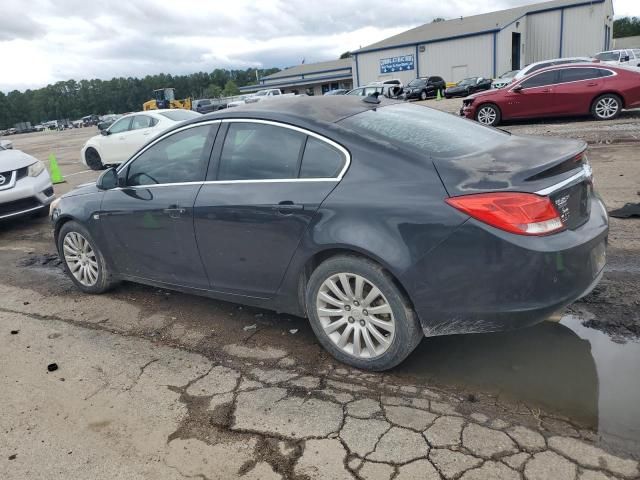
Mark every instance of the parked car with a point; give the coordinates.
(204, 105)
(268, 93)
(107, 120)
(337, 91)
(25, 185)
(565, 90)
(505, 79)
(625, 57)
(7, 145)
(391, 88)
(532, 67)
(379, 221)
(468, 86)
(126, 135)
(424, 87)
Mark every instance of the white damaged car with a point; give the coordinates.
(25, 185)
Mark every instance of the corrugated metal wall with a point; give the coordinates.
(454, 60)
(503, 50)
(543, 36)
(583, 30)
(627, 42)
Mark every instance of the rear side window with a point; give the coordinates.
(425, 131)
(142, 121)
(577, 74)
(540, 80)
(254, 151)
(320, 160)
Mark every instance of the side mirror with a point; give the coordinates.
(104, 132)
(517, 89)
(108, 179)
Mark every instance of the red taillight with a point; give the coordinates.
(515, 212)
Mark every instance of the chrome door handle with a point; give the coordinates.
(287, 207)
(174, 212)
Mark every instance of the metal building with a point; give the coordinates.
(310, 78)
(489, 44)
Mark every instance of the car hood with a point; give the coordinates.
(84, 189)
(14, 159)
(485, 94)
(517, 164)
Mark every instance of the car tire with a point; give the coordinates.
(606, 107)
(423, 95)
(72, 242)
(375, 351)
(488, 114)
(93, 160)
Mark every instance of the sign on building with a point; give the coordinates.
(396, 64)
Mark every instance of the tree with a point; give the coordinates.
(346, 55)
(230, 88)
(626, 27)
(213, 91)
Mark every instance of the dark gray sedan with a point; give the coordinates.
(380, 222)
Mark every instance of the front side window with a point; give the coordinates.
(254, 151)
(180, 157)
(577, 74)
(120, 126)
(541, 80)
(357, 91)
(320, 160)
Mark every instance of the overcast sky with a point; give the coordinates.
(44, 41)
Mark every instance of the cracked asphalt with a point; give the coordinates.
(154, 384)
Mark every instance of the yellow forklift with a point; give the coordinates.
(166, 98)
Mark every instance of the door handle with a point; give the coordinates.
(287, 207)
(174, 211)
(592, 84)
(546, 90)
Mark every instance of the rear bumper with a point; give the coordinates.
(29, 195)
(482, 279)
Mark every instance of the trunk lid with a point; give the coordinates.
(546, 166)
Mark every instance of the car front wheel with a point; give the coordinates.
(82, 260)
(488, 114)
(93, 160)
(359, 315)
(606, 107)
(423, 95)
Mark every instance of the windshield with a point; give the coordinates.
(416, 82)
(509, 74)
(261, 93)
(466, 81)
(425, 130)
(608, 56)
(180, 115)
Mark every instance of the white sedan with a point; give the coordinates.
(124, 137)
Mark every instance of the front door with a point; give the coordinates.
(534, 99)
(114, 149)
(249, 219)
(148, 221)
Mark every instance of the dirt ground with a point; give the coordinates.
(157, 384)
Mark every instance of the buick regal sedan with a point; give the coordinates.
(565, 90)
(380, 221)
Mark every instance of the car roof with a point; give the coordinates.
(307, 111)
(602, 66)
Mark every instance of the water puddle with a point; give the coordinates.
(562, 367)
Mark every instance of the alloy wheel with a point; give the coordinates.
(355, 315)
(607, 107)
(487, 115)
(80, 258)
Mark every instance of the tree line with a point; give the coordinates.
(626, 27)
(75, 99)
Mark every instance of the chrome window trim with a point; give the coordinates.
(613, 74)
(340, 148)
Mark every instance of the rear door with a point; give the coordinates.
(576, 88)
(148, 220)
(535, 99)
(250, 215)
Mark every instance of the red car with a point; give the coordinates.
(564, 90)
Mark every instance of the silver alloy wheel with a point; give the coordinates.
(487, 115)
(80, 258)
(607, 107)
(355, 315)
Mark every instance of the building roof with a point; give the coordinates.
(475, 24)
(309, 68)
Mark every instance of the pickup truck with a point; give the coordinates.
(267, 94)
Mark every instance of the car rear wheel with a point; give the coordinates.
(82, 260)
(92, 157)
(606, 107)
(423, 95)
(359, 315)
(488, 114)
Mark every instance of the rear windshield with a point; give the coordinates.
(425, 130)
(180, 115)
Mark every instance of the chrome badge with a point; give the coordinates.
(2, 179)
